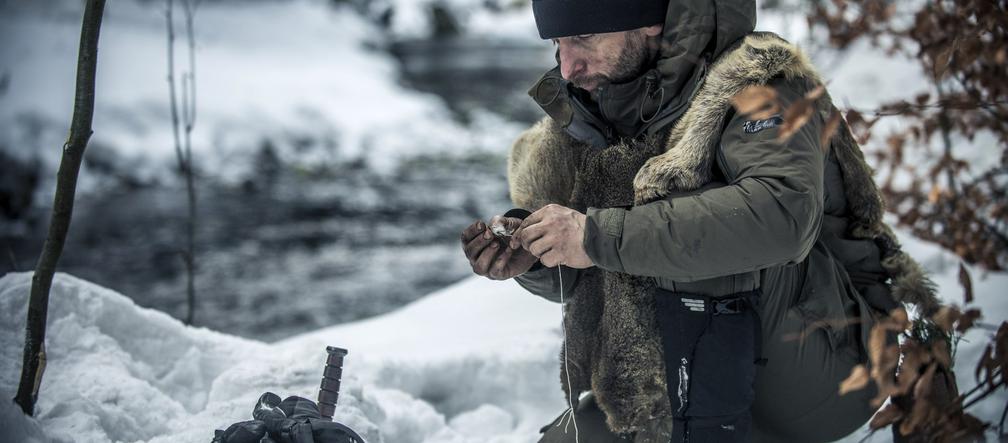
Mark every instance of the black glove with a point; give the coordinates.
(282, 418)
(251, 431)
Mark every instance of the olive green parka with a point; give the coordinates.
(703, 204)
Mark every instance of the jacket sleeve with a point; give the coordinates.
(545, 282)
(769, 213)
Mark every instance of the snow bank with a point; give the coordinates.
(115, 371)
(475, 362)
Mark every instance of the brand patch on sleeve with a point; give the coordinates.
(754, 126)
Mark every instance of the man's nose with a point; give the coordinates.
(571, 63)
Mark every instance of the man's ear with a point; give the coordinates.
(653, 30)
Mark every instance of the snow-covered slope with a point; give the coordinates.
(475, 362)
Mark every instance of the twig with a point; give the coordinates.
(903, 108)
(945, 126)
(59, 223)
(189, 118)
(183, 151)
(962, 397)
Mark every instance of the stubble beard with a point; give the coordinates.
(633, 60)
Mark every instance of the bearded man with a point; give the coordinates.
(718, 282)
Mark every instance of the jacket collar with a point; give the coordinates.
(641, 106)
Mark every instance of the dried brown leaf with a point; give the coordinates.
(922, 389)
(967, 428)
(876, 344)
(946, 318)
(885, 416)
(854, 118)
(923, 409)
(757, 102)
(795, 116)
(882, 371)
(986, 362)
(900, 318)
(940, 352)
(799, 112)
(829, 130)
(1001, 347)
(909, 370)
(935, 194)
(967, 283)
(967, 320)
(816, 92)
(941, 62)
(857, 380)
(917, 416)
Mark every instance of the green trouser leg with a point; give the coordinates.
(797, 395)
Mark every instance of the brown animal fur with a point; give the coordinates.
(613, 344)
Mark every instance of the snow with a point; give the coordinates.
(265, 71)
(497, 19)
(474, 362)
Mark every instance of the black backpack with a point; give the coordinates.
(293, 420)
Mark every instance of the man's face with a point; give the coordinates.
(590, 60)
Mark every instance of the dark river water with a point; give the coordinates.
(289, 251)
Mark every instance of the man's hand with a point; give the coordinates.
(554, 234)
(489, 255)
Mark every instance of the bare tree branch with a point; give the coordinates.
(183, 148)
(66, 186)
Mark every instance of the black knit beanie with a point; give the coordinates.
(564, 18)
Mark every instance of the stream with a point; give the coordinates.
(289, 251)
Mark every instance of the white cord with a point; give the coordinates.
(563, 323)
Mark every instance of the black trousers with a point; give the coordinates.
(711, 349)
(796, 396)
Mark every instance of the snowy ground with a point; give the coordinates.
(475, 362)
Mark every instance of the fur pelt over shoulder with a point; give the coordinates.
(613, 346)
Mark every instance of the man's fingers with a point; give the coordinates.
(540, 247)
(471, 231)
(475, 246)
(498, 270)
(512, 223)
(482, 264)
(551, 258)
(530, 235)
(515, 241)
(537, 216)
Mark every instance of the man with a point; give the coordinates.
(718, 282)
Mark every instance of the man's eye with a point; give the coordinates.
(585, 36)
